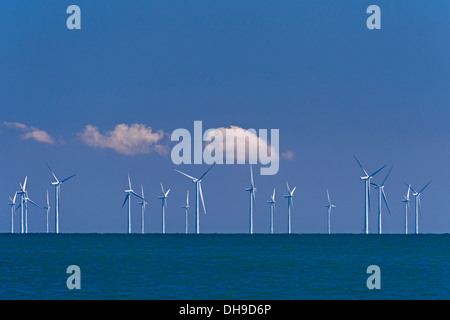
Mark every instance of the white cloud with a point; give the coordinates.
(253, 142)
(126, 139)
(31, 132)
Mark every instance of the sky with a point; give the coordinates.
(101, 102)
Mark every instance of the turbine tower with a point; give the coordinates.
(272, 209)
(381, 194)
(57, 184)
(407, 205)
(366, 180)
(164, 207)
(47, 208)
(418, 206)
(186, 210)
(129, 192)
(329, 206)
(22, 193)
(198, 194)
(290, 197)
(143, 205)
(12, 204)
(252, 191)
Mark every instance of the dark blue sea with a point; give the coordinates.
(224, 266)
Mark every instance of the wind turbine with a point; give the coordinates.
(57, 184)
(407, 205)
(143, 204)
(47, 208)
(252, 191)
(290, 197)
(26, 200)
(272, 209)
(417, 205)
(381, 194)
(22, 193)
(12, 204)
(129, 192)
(198, 194)
(366, 180)
(186, 209)
(329, 206)
(164, 207)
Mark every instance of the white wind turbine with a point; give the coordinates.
(381, 194)
(143, 205)
(57, 184)
(252, 191)
(129, 192)
(26, 200)
(272, 209)
(329, 206)
(22, 192)
(186, 210)
(164, 207)
(407, 205)
(198, 194)
(12, 204)
(418, 206)
(366, 180)
(47, 208)
(290, 197)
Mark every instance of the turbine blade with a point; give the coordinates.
(387, 176)
(184, 174)
(420, 206)
(167, 193)
(360, 165)
(68, 178)
(201, 177)
(289, 189)
(142, 191)
(201, 196)
(25, 184)
(409, 187)
(48, 202)
(424, 187)
(162, 189)
(187, 199)
(134, 193)
(328, 197)
(378, 170)
(251, 175)
(126, 198)
(385, 201)
(293, 190)
(51, 171)
(129, 181)
(273, 195)
(34, 204)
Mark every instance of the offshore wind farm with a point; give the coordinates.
(22, 192)
(224, 149)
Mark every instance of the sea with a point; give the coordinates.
(224, 266)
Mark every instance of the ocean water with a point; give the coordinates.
(224, 266)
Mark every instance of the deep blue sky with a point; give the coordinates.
(309, 68)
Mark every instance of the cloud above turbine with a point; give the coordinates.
(126, 139)
(30, 132)
(251, 138)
